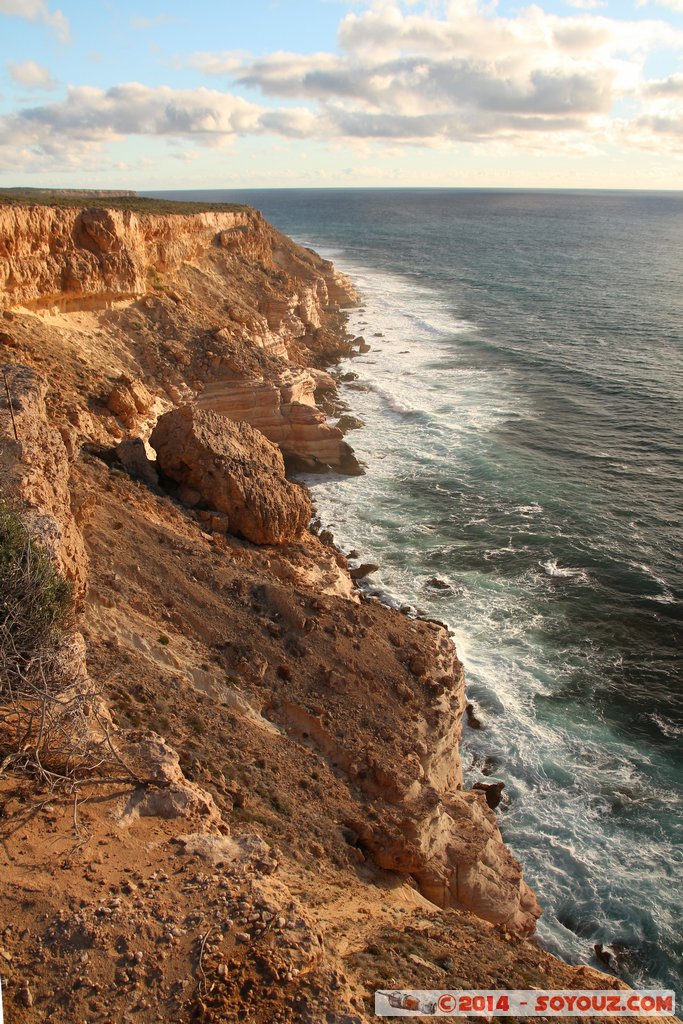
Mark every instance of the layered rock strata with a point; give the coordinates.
(52, 257)
(295, 424)
(70, 260)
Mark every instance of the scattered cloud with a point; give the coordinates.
(222, 63)
(31, 75)
(187, 155)
(38, 10)
(89, 118)
(466, 76)
(90, 115)
(430, 76)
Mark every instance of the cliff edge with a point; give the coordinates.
(282, 825)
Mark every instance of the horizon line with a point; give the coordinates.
(399, 188)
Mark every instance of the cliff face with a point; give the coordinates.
(72, 259)
(323, 810)
(267, 292)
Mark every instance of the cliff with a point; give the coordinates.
(291, 830)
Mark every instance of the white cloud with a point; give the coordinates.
(38, 10)
(95, 115)
(671, 86)
(88, 118)
(466, 75)
(31, 75)
(221, 63)
(536, 80)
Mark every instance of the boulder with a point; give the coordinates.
(361, 571)
(348, 422)
(129, 400)
(236, 470)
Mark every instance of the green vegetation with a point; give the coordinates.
(115, 201)
(35, 601)
(42, 711)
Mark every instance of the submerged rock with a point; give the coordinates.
(361, 571)
(434, 583)
(472, 720)
(493, 791)
(348, 422)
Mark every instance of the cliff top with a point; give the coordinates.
(107, 200)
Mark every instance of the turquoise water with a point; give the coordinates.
(523, 419)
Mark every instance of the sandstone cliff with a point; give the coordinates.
(278, 298)
(311, 840)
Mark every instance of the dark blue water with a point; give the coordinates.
(523, 438)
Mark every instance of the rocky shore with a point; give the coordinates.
(280, 826)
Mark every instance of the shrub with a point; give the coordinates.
(42, 711)
(35, 601)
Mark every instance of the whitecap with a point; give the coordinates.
(394, 403)
(667, 728)
(526, 510)
(551, 568)
(496, 553)
(666, 598)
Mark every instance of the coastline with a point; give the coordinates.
(570, 924)
(300, 745)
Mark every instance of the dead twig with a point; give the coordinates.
(115, 753)
(202, 983)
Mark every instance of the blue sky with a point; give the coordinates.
(578, 93)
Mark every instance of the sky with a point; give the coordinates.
(337, 93)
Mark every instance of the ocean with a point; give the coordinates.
(522, 405)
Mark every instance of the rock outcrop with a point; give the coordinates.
(71, 258)
(235, 470)
(35, 470)
(424, 824)
(284, 410)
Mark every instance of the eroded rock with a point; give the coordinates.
(35, 469)
(284, 410)
(236, 470)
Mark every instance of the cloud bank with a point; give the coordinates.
(400, 76)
